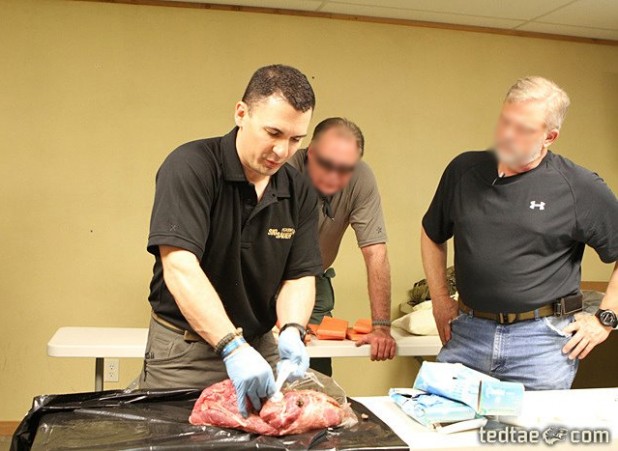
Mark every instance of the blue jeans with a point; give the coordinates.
(529, 352)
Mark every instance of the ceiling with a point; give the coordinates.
(583, 18)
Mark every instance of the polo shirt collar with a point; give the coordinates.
(279, 183)
(232, 167)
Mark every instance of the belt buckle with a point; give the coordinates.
(559, 307)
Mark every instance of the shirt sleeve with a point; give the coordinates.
(183, 200)
(438, 221)
(304, 258)
(596, 210)
(366, 217)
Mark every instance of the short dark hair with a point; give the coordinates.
(343, 123)
(286, 81)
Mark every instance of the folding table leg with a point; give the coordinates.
(98, 374)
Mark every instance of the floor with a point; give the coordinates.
(5, 443)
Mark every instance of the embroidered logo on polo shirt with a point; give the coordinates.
(285, 233)
(535, 204)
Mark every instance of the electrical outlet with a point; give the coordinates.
(111, 370)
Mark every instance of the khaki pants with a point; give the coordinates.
(172, 362)
(324, 304)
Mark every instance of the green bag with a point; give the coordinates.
(420, 291)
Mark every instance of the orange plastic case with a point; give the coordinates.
(363, 325)
(353, 335)
(332, 329)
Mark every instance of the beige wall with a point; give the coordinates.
(93, 96)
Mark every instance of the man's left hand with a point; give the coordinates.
(587, 333)
(382, 343)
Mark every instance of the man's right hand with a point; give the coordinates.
(252, 377)
(444, 311)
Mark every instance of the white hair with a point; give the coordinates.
(541, 89)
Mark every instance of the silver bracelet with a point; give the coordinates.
(381, 322)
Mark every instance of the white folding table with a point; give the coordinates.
(113, 342)
(100, 343)
(407, 346)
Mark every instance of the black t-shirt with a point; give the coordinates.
(204, 204)
(519, 240)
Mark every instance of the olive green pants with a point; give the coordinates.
(172, 362)
(324, 304)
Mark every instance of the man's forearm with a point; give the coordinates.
(610, 300)
(378, 280)
(295, 301)
(197, 299)
(434, 264)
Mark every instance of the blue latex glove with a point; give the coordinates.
(252, 377)
(293, 349)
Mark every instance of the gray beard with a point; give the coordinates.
(536, 154)
(523, 163)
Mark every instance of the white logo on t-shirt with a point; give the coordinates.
(539, 205)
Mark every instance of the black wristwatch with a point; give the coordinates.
(607, 317)
(301, 329)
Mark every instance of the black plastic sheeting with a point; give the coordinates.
(158, 420)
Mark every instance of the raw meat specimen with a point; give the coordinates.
(217, 406)
(299, 411)
(302, 411)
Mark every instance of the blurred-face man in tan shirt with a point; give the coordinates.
(349, 196)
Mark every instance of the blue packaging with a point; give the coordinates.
(485, 394)
(429, 409)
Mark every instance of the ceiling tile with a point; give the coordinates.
(586, 13)
(340, 8)
(570, 30)
(587, 18)
(305, 5)
(509, 9)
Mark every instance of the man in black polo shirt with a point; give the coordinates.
(234, 235)
(521, 216)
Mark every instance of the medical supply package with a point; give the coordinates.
(430, 410)
(485, 394)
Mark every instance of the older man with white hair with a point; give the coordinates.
(521, 216)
